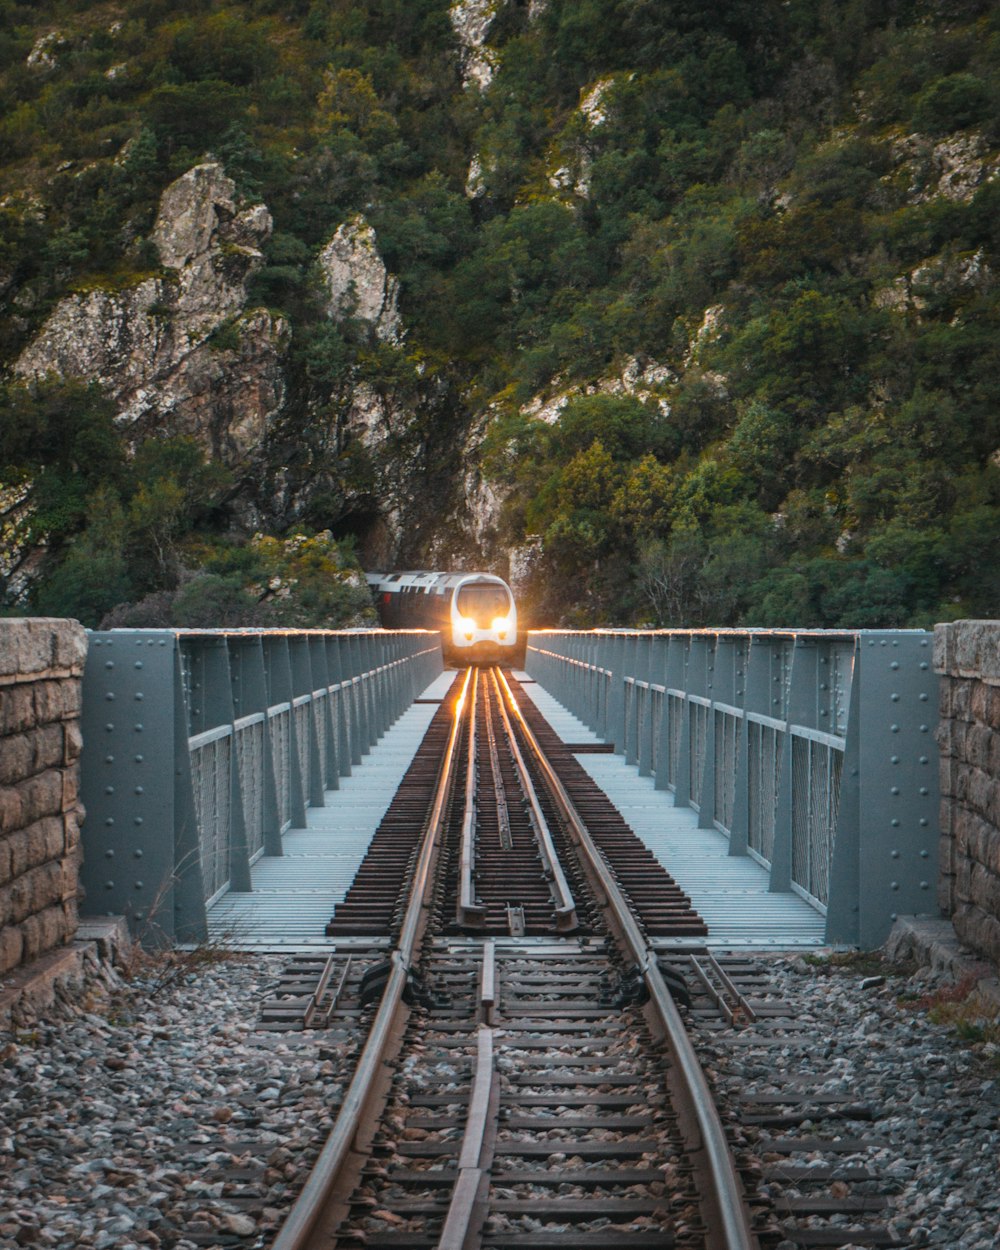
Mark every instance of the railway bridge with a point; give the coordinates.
(233, 780)
(531, 908)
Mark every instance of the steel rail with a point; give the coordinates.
(366, 1087)
(469, 913)
(726, 1210)
(471, 1171)
(562, 895)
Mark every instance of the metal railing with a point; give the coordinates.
(810, 750)
(202, 748)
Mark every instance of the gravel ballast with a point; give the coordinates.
(160, 1116)
(868, 1032)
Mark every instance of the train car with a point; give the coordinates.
(474, 612)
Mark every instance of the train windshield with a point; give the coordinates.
(482, 602)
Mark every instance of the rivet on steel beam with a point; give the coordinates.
(894, 789)
(894, 664)
(924, 698)
(923, 821)
(894, 698)
(138, 885)
(924, 728)
(923, 759)
(109, 759)
(138, 663)
(137, 853)
(138, 728)
(895, 854)
(139, 790)
(894, 728)
(110, 696)
(923, 790)
(138, 696)
(110, 726)
(894, 823)
(924, 664)
(109, 789)
(109, 854)
(924, 885)
(109, 820)
(894, 885)
(895, 759)
(109, 885)
(924, 854)
(109, 663)
(139, 759)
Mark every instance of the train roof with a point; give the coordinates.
(419, 579)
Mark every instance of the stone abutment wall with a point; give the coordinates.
(967, 654)
(41, 666)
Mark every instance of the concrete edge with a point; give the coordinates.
(43, 988)
(931, 941)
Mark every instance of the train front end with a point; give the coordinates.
(483, 621)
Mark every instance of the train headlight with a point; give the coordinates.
(467, 626)
(501, 626)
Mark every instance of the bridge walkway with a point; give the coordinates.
(730, 891)
(293, 894)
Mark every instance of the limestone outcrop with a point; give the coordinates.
(357, 282)
(179, 352)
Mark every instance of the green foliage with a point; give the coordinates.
(820, 450)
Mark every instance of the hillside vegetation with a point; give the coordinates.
(705, 293)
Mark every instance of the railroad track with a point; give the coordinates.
(527, 1081)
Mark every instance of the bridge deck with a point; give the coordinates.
(729, 891)
(294, 894)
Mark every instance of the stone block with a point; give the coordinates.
(45, 930)
(72, 742)
(11, 948)
(961, 700)
(984, 704)
(984, 890)
(17, 759)
(944, 648)
(973, 647)
(49, 747)
(976, 747)
(34, 890)
(978, 930)
(70, 832)
(40, 796)
(10, 809)
(17, 709)
(57, 700)
(70, 780)
(70, 650)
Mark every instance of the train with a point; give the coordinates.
(475, 613)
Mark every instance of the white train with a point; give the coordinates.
(474, 612)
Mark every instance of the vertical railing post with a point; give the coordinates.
(249, 686)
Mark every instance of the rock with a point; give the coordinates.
(356, 279)
(241, 1225)
(150, 346)
(471, 21)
